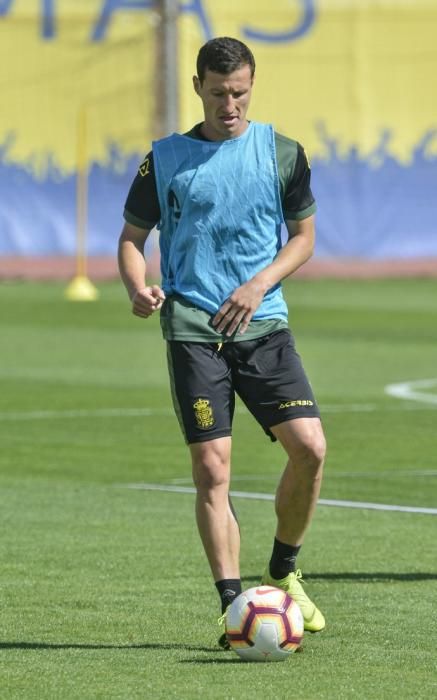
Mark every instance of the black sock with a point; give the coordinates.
(283, 559)
(228, 590)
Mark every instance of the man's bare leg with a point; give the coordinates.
(217, 524)
(296, 499)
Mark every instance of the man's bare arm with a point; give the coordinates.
(132, 265)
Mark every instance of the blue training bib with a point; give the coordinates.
(221, 216)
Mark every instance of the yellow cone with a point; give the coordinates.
(81, 289)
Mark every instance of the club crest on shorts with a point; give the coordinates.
(203, 413)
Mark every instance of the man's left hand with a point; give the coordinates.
(239, 308)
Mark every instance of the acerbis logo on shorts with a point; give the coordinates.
(203, 414)
(298, 402)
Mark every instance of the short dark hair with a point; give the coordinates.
(224, 55)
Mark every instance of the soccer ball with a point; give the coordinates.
(264, 624)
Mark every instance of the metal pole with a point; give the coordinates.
(170, 77)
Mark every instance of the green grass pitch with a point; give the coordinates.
(104, 590)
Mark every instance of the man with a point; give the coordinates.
(220, 194)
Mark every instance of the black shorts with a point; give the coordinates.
(266, 373)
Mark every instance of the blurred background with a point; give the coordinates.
(86, 85)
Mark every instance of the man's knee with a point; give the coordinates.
(313, 449)
(304, 441)
(211, 465)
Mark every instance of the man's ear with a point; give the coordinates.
(196, 84)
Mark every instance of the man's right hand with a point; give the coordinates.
(147, 300)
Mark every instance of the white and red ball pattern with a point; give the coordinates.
(264, 624)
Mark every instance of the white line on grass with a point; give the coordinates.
(270, 497)
(84, 413)
(408, 390)
(47, 414)
(339, 475)
(51, 414)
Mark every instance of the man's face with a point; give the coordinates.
(225, 101)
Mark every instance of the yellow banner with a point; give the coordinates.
(61, 59)
(355, 71)
(352, 80)
(359, 72)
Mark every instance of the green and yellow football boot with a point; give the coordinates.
(223, 639)
(313, 618)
